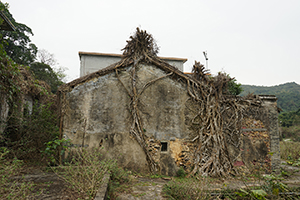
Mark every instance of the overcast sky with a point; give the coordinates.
(256, 41)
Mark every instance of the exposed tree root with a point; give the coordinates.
(218, 118)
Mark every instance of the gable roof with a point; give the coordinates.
(152, 60)
(140, 49)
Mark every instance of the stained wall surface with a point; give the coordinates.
(98, 114)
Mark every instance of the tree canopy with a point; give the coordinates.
(288, 94)
(17, 44)
(44, 72)
(291, 118)
(234, 88)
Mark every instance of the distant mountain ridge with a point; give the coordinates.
(288, 94)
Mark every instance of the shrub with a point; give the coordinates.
(289, 150)
(9, 188)
(291, 132)
(84, 173)
(266, 187)
(55, 149)
(181, 173)
(187, 188)
(28, 133)
(120, 181)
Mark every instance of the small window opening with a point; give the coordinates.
(100, 143)
(164, 146)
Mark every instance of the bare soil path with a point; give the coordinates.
(145, 188)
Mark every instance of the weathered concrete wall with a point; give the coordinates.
(163, 105)
(4, 108)
(26, 101)
(99, 112)
(98, 115)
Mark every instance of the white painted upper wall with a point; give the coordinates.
(91, 62)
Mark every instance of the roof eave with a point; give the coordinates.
(80, 53)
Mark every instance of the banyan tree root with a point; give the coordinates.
(140, 47)
(211, 155)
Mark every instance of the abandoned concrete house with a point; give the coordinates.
(150, 116)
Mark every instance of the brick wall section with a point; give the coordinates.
(270, 103)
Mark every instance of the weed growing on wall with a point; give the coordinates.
(216, 116)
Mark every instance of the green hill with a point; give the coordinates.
(288, 94)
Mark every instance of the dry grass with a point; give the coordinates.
(289, 150)
(292, 132)
(86, 170)
(10, 188)
(187, 188)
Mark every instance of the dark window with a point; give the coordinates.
(164, 146)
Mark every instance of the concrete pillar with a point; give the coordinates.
(270, 103)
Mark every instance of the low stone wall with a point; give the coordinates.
(102, 191)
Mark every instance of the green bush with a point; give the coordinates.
(269, 187)
(28, 133)
(55, 149)
(187, 188)
(181, 173)
(120, 180)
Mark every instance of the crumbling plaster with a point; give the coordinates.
(98, 115)
(99, 110)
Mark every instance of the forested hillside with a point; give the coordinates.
(288, 94)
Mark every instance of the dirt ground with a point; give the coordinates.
(48, 185)
(51, 187)
(149, 189)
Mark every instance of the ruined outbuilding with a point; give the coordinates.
(152, 117)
